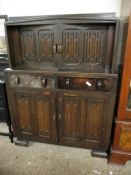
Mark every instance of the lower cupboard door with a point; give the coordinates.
(94, 119)
(45, 117)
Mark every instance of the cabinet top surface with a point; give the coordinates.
(64, 73)
(94, 17)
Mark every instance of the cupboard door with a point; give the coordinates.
(93, 121)
(29, 44)
(45, 116)
(23, 113)
(46, 40)
(94, 47)
(37, 45)
(69, 118)
(86, 47)
(69, 47)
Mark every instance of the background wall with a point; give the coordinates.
(125, 7)
(47, 7)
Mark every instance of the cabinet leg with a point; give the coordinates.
(96, 153)
(21, 142)
(10, 133)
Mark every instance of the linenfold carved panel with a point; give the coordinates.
(71, 46)
(94, 46)
(42, 110)
(45, 39)
(22, 80)
(93, 119)
(29, 49)
(71, 121)
(24, 102)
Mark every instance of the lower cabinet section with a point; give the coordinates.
(68, 118)
(62, 109)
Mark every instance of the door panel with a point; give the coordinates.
(23, 112)
(92, 120)
(69, 118)
(94, 47)
(37, 44)
(86, 47)
(45, 114)
(71, 46)
(46, 40)
(29, 45)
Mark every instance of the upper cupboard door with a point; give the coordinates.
(86, 47)
(29, 44)
(37, 44)
(69, 46)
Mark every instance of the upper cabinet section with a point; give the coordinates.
(84, 43)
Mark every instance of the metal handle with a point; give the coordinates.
(17, 80)
(67, 82)
(54, 117)
(43, 81)
(54, 48)
(59, 48)
(59, 116)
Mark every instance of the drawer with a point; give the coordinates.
(31, 81)
(83, 83)
(122, 137)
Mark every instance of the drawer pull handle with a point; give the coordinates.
(54, 117)
(59, 116)
(59, 48)
(54, 48)
(44, 82)
(17, 81)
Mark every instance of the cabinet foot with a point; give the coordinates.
(21, 142)
(96, 153)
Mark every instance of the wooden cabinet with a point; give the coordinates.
(121, 149)
(62, 82)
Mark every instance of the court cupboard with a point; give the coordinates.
(62, 83)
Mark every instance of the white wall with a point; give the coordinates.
(47, 7)
(125, 8)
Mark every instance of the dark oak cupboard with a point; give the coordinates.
(62, 83)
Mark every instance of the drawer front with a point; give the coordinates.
(88, 84)
(31, 81)
(123, 135)
(22, 80)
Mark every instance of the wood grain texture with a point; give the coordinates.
(121, 150)
(125, 78)
(23, 106)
